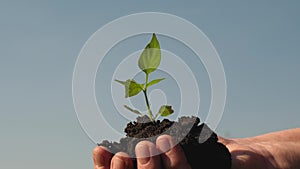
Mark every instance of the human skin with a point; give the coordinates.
(170, 156)
(276, 150)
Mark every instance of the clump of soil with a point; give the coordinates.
(186, 131)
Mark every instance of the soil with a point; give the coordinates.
(186, 131)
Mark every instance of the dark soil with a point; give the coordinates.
(209, 154)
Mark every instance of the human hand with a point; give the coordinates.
(170, 156)
(278, 150)
(271, 151)
(246, 154)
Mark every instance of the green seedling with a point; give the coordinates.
(148, 63)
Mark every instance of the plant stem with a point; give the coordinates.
(146, 98)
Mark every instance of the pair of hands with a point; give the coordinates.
(246, 154)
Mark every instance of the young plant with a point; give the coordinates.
(148, 63)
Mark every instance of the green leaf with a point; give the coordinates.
(154, 82)
(121, 82)
(165, 110)
(132, 110)
(132, 88)
(151, 56)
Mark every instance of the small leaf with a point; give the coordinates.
(165, 110)
(151, 56)
(121, 82)
(154, 82)
(132, 110)
(132, 88)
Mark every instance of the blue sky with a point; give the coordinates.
(258, 43)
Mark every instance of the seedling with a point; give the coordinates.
(148, 63)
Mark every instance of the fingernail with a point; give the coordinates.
(143, 153)
(164, 144)
(118, 164)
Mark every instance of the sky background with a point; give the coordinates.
(258, 43)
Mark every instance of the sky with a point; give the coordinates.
(258, 44)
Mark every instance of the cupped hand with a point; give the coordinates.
(277, 150)
(258, 153)
(165, 154)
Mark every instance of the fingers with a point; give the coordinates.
(101, 157)
(121, 161)
(172, 155)
(147, 156)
